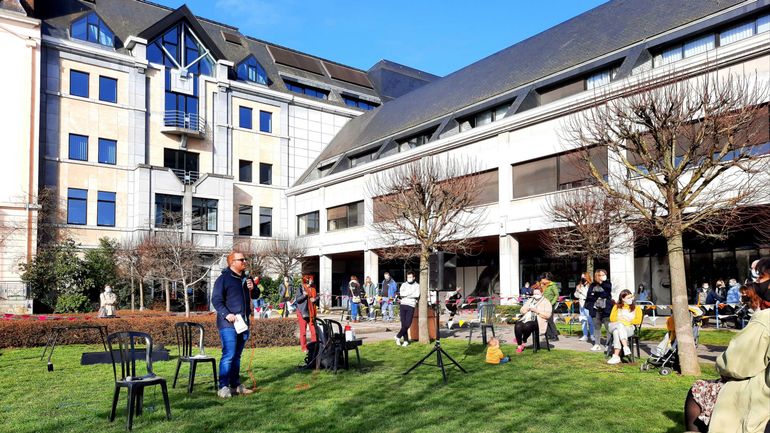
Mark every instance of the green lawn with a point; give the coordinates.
(557, 391)
(709, 337)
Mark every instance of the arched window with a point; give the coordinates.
(91, 28)
(251, 70)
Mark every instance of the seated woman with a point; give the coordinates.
(534, 314)
(623, 317)
(740, 400)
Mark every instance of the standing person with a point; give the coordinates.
(388, 292)
(285, 294)
(452, 302)
(230, 299)
(734, 293)
(534, 317)
(581, 291)
(551, 294)
(599, 306)
(642, 294)
(304, 300)
(623, 317)
(410, 293)
(526, 290)
(355, 292)
(370, 290)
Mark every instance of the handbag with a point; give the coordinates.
(601, 303)
(356, 300)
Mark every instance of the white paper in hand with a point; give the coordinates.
(240, 324)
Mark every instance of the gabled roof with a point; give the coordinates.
(182, 13)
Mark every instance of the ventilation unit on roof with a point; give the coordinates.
(182, 81)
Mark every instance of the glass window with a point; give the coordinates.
(108, 89)
(107, 151)
(78, 147)
(736, 33)
(78, 83)
(535, 177)
(92, 29)
(306, 90)
(599, 79)
(77, 205)
(251, 70)
(168, 211)
(308, 224)
(244, 117)
(484, 118)
(180, 160)
(349, 215)
(265, 121)
(105, 209)
(671, 55)
(697, 46)
(244, 171)
(204, 214)
(244, 220)
(763, 24)
(265, 174)
(359, 103)
(266, 221)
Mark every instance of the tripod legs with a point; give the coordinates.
(438, 350)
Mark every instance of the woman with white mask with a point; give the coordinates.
(623, 317)
(534, 317)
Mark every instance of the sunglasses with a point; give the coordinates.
(240, 260)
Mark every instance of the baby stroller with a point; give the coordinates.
(665, 356)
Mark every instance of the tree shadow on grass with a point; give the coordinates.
(678, 418)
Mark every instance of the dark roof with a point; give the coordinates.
(13, 6)
(392, 79)
(612, 26)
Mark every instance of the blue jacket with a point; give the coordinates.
(389, 288)
(713, 298)
(596, 291)
(734, 295)
(230, 296)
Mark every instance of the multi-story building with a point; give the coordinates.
(507, 111)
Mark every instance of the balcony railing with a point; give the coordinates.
(181, 122)
(13, 290)
(187, 177)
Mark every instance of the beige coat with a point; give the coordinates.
(743, 404)
(542, 307)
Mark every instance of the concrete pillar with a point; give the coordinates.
(325, 281)
(621, 259)
(509, 269)
(371, 265)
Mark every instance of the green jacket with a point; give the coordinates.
(551, 293)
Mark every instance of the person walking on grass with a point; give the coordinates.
(410, 293)
(230, 299)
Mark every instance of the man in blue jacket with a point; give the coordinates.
(388, 291)
(231, 299)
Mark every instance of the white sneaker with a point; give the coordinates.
(614, 360)
(583, 338)
(224, 392)
(398, 341)
(597, 348)
(405, 343)
(627, 351)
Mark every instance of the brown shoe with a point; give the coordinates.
(242, 390)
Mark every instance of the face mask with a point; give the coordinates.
(410, 280)
(387, 277)
(763, 290)
(628, 300)
(537, 296)
(108, 289)
(602, 278)
(754, 274)
(705, 287)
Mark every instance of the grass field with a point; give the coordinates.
(557, 391)
(709, 337)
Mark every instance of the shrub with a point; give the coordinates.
(508, 312)
(73, 303)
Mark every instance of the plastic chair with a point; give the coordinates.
(486, 321)
(184, 338)
(123, 352)
(342, 346)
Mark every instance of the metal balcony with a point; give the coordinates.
(187, 177)
(181, 123)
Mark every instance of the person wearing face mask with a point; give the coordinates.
(534, 316)
(285, 294)
(753, 271)
(581, 291)
(388, 291)
(733, 293)
(623, 317)
(410, 293)
(551, 293)
(599, 305)
(702, 294)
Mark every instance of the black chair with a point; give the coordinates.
(123, 352)
(634, 342)
(486, 321)
(536, 336)
(342, 346)
(185, 334)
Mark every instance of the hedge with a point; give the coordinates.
(32, 331)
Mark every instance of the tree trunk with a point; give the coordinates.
(186, 300)
(688, 357)
(167, 291)
(423, 305)
(141, 294)
(133, 298)
(590, 266)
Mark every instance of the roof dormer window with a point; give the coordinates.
(91, 28)
(251, 70)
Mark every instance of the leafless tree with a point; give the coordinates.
(285, 256)
(685, 153)
(257, 252)
(138, 259)
(424, 206)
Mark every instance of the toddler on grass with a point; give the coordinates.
(494, 354)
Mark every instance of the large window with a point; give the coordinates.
(304, 89)
(77, 206)
(78, 147)
(244, 117)
(352, 101)
(341, 217)
(266, 221)
(180, 160)
(92, 29)
(78, 83)
(244, 170)
(168, 211)
(245, 214)
(601, 78)
(308, 224)
(265, 174)
(484, 117)
(105, 209)
(107, 151)
(555, 173)
(108, 89)
(265, 121)
(251, 70)
(204, 214)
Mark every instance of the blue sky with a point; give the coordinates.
(435, 36)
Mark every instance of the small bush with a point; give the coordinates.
(73, 303)
(508, 312)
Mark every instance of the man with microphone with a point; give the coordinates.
(231, 302)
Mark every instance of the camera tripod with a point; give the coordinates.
(438, 350)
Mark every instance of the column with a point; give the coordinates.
(509, 269)
(371, 265)
(325, 281)
(621, 259)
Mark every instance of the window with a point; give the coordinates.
(763, 24)
(359, 103)
(363, 157)
(266, 221)
(78, 83)
(600, 78)
(78, 147)
(341, 217)
(315, 92)
(556, 173)
(265, 121)
(244, 220)
(308, 224)
(77, 205)
(244, 117)
(204, 214)
(244, 171)
(180, 160)
(107, 151)
(183, 49)
(484, 117)
(697, 46)
(108, 89)
(105, 209)
(735, 34)
(168, 211)
(412, 142)
(92, 29)
(265, 174)
(251, 70)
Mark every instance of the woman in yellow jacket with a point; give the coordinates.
(623, 317)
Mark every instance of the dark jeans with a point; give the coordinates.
(407, 314)
(522, 331)
(230, 364)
